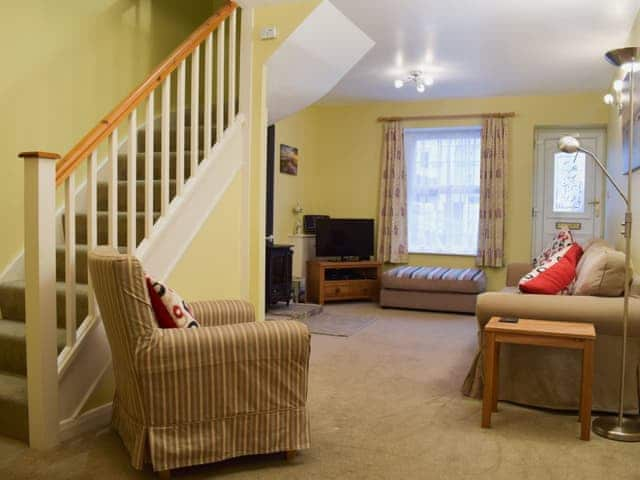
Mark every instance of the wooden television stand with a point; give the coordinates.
(335, 281)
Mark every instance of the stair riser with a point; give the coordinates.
(103, 196)
(187, 118)
(157, 140)
(157, 166)
(81, 266)
(13, 355)
(103, 232)
(14, 420)
(13, 305)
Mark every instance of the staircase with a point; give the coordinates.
(147, 188)
(13, 360)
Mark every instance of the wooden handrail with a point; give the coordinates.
(83, 149)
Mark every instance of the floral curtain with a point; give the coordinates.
(392, 221)
(493, 170)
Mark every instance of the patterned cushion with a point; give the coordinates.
(562, 240)
(170, 310)
(554, 276)
(435, 279)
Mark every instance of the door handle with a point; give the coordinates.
(594, 202)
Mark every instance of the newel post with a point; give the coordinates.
(40, 297)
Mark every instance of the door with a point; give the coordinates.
(568, 188)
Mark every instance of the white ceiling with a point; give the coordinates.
(303, 70)
(476, 48)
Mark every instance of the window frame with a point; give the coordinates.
(474, 128)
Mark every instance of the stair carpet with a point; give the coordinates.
(13, 384)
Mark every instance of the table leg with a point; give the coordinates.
(586, 390)
(489, 365)
(496, 377)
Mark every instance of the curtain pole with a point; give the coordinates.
(448, 117)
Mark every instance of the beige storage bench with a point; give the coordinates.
(432, 288)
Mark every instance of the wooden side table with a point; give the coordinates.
(578, 336)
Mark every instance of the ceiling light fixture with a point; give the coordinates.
(418, 78)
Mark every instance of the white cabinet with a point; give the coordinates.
(304, 249)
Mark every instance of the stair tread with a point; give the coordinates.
(81, 289)
(121, 213)
(83, 248)
(139, 181)
(13, 388)
(16, 331)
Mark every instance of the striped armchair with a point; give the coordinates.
(192, 396)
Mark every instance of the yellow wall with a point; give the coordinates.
(212, 266)
(287, 17)
(297, 131)
(347, 155)
(76, 61)
(615, 206)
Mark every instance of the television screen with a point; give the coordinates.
(344, 238)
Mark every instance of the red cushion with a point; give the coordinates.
(170, 310)
(555, 275)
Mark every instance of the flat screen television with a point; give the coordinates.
(341, 237)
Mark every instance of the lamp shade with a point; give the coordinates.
(620, 56)
(568, 144)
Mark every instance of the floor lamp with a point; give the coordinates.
(620, 428)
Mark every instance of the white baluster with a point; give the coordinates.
(113, 189)
(220, 83)
(148, 167)
(132, 158)
(40, 297)
(245, 102)
(165, 150)
(231, 104)
(208, 93)
(92, 218)
(180, 127)
(195, 103)
(70, 258)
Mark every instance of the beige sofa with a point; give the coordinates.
(550, 378)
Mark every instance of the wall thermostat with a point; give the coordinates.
(269, 33)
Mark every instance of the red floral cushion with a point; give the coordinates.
(562, 240)
(170, 310)
(554, 276)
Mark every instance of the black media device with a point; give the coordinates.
(509, 320)
(344, 238)
(309, 223)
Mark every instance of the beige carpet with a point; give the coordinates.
(385, 404)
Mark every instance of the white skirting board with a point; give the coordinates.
(92, 420)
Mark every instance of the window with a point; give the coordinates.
(443, 189)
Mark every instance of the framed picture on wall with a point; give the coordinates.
(289, 160)
(635, 161)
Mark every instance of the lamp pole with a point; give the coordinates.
(623, 428)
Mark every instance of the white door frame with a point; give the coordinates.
(546, 133)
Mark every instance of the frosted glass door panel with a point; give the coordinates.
(569, 181)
